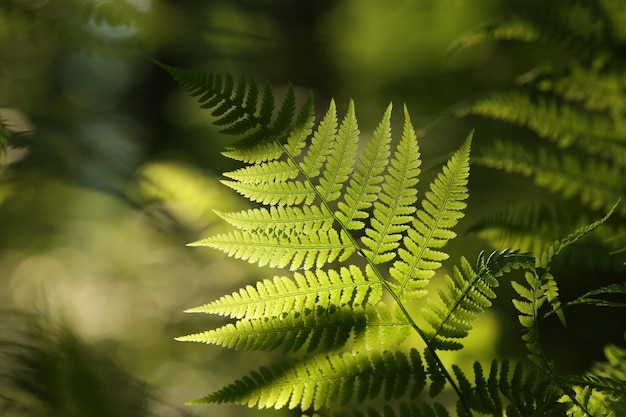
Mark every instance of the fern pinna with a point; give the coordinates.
(358, 251)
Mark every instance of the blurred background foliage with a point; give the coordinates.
(108, 169)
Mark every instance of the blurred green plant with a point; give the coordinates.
(563, 124)
(345, 223)
(48, 371)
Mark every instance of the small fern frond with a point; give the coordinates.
(321, 143)
(442, 207)
(395, 207)
(468, 293)
(327, 381)
(598, 90)
(593, 297)
(530, 227)
(560, 122)
(236, 106)
(535, 27)
(520, 394)
(325, 328)
(304, 219)
(553, 250)
(307, 290)
(269, 172)
(542, 287)
(436, 375)
(598, 185)
(275, 193)
(533, 297)
(515, 28)
(603, 390)
(338, 164)
(280, 250)
(364, 185)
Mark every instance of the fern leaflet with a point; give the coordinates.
(466, 296)
(430, 230)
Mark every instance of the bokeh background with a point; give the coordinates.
(118, 170)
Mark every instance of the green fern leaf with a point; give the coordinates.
(435, 374)
(591, 297)
(533, 298)
(321, 143)
(237, 108)
(275, 193)
(553, 250)
(269, 172)
(341, 158)
(514, 28)
(557, 121)
(307, 290)
(268, 151)
(364, 184)
(380, 335)
(536, 26)
(597, 184)
(394, 210)
(304, 219)
(467, 294)
(430, 230)
(279, 250)
(326, 328)
(324, 381)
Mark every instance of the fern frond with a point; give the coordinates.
(538, 26)
(378, 335)
(549, 284)
(307, 290)
(592, 297)
(597, 184)
(532, 299)
(304, 219)
(520, 394)
(555, 120)
(442, 207)
(529, 227)
(436, 375)
(268, 172)
(550, 252)
(364, 184)
(468, 293)
(268, 151)
(321, 143)
(338, 164)
(598, 90)
(603, 390)
(327, 381)
(279, 250)
(395, 207)
(542, 287)
(275, 193)
(325, 328)
(515, 28)
(236, 106)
